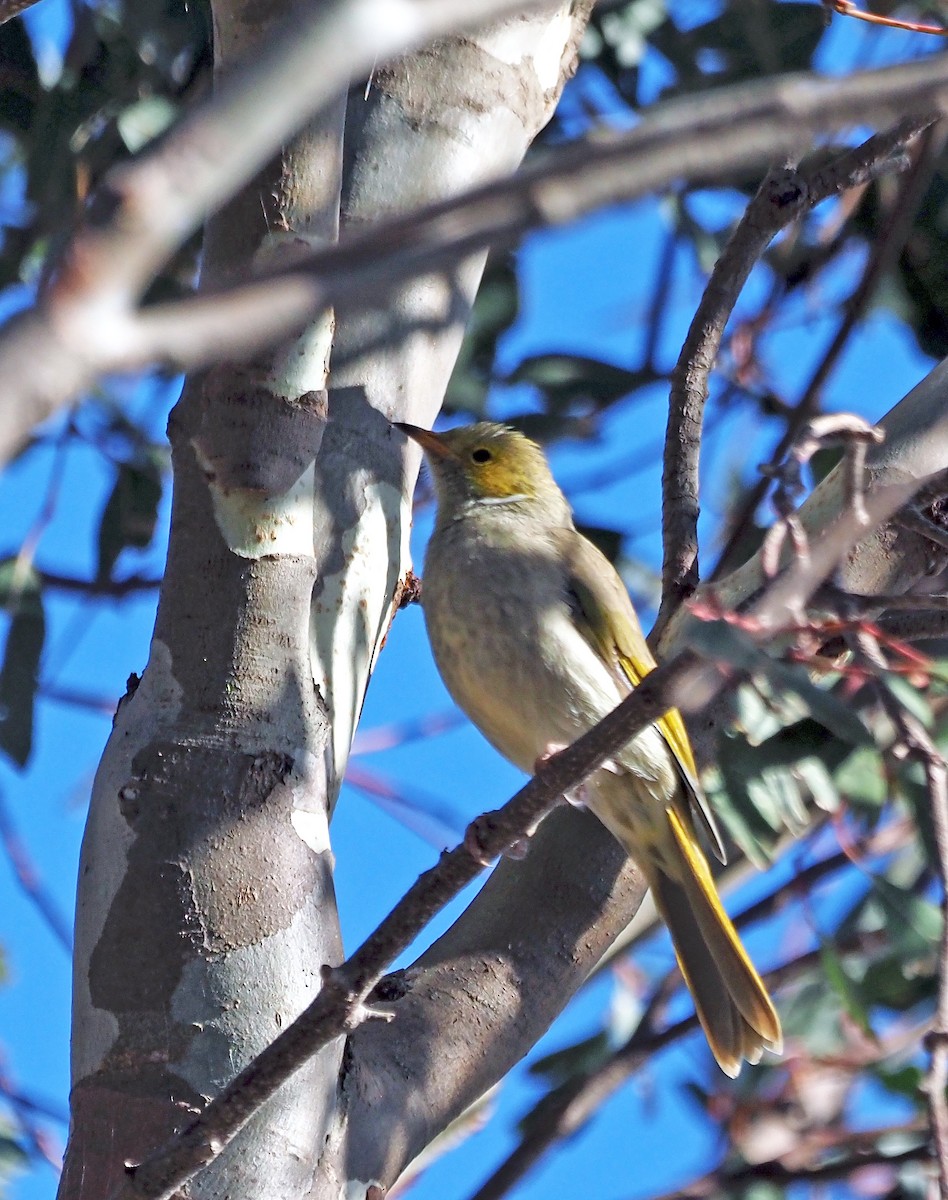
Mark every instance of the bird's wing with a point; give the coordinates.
(604, 615)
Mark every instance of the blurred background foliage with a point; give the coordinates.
(811, 773)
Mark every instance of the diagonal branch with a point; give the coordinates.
(89, 323)
(341, 1005)
(687, 682)
(148, 207)
(696, 140)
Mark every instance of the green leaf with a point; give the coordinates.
(130, 513)
(802, 741)
(914, 790)
(566, 378)
(812, 1014)
(910, 698)
(578, 1059)
(819, 783)
(21, 596)
(844, 987)
(496, 307)
(144, 120)
(901, 1081)
(887, 984)
(862, 780)
(751, 819)
(13, 1156)
(722, 641)
(914, 921)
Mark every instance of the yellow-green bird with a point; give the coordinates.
(536, 639)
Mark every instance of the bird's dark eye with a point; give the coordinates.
(481, 455)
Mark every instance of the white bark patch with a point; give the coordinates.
(153, 706)
(309, 817)
(280, 983)
(303, 365)
(357, 1189)
(313, 829)
(350, 613)
(515, 40)
(257, 526)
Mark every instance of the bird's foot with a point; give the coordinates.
(474, 841)
(578, 796)
(474, 837)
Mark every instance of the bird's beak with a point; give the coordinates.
(429, 442)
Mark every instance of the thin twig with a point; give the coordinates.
(570, 1107)
(28, 878)
(785, 194)
(885, 247)
(41, 1145)
(851, 432)
(737, 1179)
(847, 8)
(53, 351)
(106, 589)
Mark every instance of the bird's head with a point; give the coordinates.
(486, 465)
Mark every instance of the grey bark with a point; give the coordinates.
(206, 905)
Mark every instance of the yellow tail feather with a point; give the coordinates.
(735, 1011)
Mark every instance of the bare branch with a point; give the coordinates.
(785, 194)
(88, 325)
(148, 207)
(735, 127)
(884, 250)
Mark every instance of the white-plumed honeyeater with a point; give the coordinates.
(536, 639)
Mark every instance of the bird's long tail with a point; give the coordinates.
(735, 1011)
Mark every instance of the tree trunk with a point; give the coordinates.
(206, 903)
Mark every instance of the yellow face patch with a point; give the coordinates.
(498, 462)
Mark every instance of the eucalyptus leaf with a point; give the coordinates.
(911, 918)
(21, 593)
(909, 698)
(843, 986)
(131, 511)
(722, 641)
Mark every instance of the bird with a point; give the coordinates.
(536, 640)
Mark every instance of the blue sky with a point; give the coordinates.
(609, 261)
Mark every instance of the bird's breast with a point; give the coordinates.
(501, 634)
